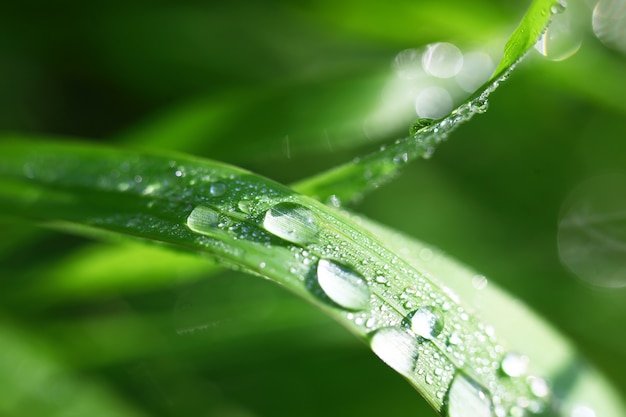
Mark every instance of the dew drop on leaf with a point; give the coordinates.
(467, 398)
(396, 347)
(203, 220)
(514, 365)
(292, 222)
(342, 285)
(592, 231)
(426, 322)
(217, 189)
(561, 40)
(420, 124)
(609, 23)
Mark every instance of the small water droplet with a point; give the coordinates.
(292, 222)
(245, 206)
(203, 220)
(262, 265)
(396, 347)
(420, 124)
(217, 189)
(559, 7)
(479, 105)
(334, 201)
(454, 339)
(426, 322)
(467, 398)
(179, 173)
(479, 282)
(343, 285)
(514, 365)
(538, 386)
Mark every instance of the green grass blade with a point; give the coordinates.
(418, 326)
(352, 180)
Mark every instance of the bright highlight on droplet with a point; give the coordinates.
(583, 411)
(426, 322)
(292, 222)
(466, 398)
(408, 64)
(514, 365)
(561, 39)
(609, 23)
(203, 220)
(592, 231)
(433, 103)
(442, 60)
(396, 347)
(342, 285)
(476, 70)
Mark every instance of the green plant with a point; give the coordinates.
(388, 290)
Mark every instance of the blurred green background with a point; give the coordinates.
(287, 90)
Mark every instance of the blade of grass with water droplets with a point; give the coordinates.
(418, 327)
(350, 181)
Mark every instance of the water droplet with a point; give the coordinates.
(559, 7)
(561, 39)
(442, 60)
(292, 222)
(408, 64)
(245, 206)
(203, 220)
(426, 322)
(179, 173)
(514, 365)
(477, 68)
(420, 124)
(455, 339)
(479, 105)
(467, 398)
(396, 347)
(591, 232)
(538, 386)
(217, 189)
(343, 285)
(609, 23)
(479, 282)
(334, 201)
(433, 102)
(582, 411)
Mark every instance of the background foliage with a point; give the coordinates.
(156, 332)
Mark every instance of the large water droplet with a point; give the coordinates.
(477, 68)
(592, 231)
(396, 347)
(343, 285)
(292, 222)
(443, 60)
(609, 23)
(203, 220)
(433, 102)
(561, 39)
(538, 386)
(514, 365)
(467, 399)
(426, 322)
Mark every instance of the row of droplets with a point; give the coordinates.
(398, 344)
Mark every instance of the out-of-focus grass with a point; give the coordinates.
(233, 81)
